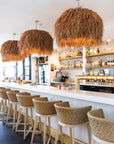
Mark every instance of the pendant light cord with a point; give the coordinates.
(36, 24)
(78, 3)
(14, 36)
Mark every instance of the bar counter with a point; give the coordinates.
(76, 98)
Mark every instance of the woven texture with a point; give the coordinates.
(26, 100)
(71, 116)
(79, 27)
(10, 51)
(45, 107)
(3, 93)
(12, 96)
(23, 93)
(36, 41)
(101, 127)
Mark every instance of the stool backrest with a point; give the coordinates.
(101, 128)
(71, 116)
(23, 93)
(12, 95)
(3, 93)
(45, 107)
(26, 100)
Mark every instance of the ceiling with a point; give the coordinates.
(19, 15)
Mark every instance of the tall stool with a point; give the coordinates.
(12, 101)
(1, 101)
(71, 117)
(4, 99)
(25, 102)
(36, 118)
(102, 129)
(46, 110)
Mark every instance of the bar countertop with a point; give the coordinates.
(98, 97)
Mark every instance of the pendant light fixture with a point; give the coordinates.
(78, 27)
(10, 51)
(36, 42)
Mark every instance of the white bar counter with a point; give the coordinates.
(77, 99)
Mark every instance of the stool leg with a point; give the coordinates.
(40, 126)
(11, 110)
(49, 130)
(34, 128)
(14, 115)
(18, 119)
(61, 134)
(6, 106)
(4, 109)
(8, 113)
(44, 140)
(32, 118)
(57, 135)
(92, 141)
(89, 134)
(1, 104)
(25, 121)
(3, 112)
(72, 135)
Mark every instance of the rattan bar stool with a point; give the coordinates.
(25, 102)
(46, 110)
(71, 117)
(12, 101)
(36, 118)
(4, 99)
(1, 101)
(102, 129)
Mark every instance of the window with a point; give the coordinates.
(27, 68)
(7, 69)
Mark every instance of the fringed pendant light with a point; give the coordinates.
(79, 27)
(10, 51)
(36, 41)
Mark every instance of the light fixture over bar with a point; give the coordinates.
(10, 51)
(36, 42)
(78, 27)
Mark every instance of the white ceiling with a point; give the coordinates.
(19, 15)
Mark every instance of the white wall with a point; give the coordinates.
(108, 30)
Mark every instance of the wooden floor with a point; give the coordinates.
(8, 136)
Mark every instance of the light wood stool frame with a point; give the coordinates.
(26, 121)
(10, 114)
(49, 126)
(95, 139)
(3, 106)
(60, 125)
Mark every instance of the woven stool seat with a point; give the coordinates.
(25, 102)
(12, 95)
(45, 109)
(12, 101)
(4, 101)
(3, 93)
(71, 117)
(102, 129)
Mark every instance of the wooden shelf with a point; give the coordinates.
(92, 55)
(70, 58)
(71, 68)
(42, 64)
(87, 67)
(100, 54)
(99, 67)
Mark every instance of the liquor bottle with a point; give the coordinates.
(68, 64)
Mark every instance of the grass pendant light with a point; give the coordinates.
(78, 27)
(36, 42)
(10, 51)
